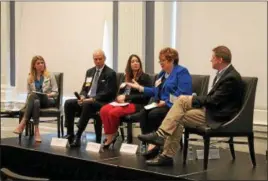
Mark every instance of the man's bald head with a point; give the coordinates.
(99, 58)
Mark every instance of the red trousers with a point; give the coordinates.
(110, 116)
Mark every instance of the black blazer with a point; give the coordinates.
(224, 100)
(136, 97)
(106, 89)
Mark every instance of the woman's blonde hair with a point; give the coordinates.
(32, 74)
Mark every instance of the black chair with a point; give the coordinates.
(132, 118)
(48, 112)
(7, 174)
(240, 126)
(199, 86)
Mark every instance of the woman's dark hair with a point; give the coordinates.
(129, 73)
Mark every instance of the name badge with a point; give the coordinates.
(129, 148)
(88, 81)
(94, 147)
(158, 82)
(172, 98)
(59, 142)
(123, 85)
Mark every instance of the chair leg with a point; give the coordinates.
(98, 129)
(20, 118)
(251, 148)
(122, 131)
(58, 125)
(61, 125)
(129, 133)
(26, 129)
(231, 145)
(181, 144)
(32, 129)
(185, 147)
(206, 151)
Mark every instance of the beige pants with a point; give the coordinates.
(180, 114)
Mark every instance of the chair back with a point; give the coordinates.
(243, 121)
(153, 78)
(59, 80)
(200, 84)
(120, 77)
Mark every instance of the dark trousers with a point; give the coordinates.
(86, 111)
(34, 103)
(151, 119)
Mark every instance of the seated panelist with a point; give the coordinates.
(220, 105)
(98, 89)
(128, 100)
(173, 80)
(42, 91)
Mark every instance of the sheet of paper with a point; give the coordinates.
(94, 147)
(59, 142)
(119, 104)
(129, 148)
(39, 92)
(150, 106)
(172, 98)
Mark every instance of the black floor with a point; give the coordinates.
(117, 165)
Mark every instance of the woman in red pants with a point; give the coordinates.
(127, 102)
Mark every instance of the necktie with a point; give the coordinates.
(95, 84)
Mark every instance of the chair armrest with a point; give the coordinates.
(16, 176)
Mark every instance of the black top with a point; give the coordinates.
(224, 100)
(136, 97)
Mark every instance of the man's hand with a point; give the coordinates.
(121, 98)
(161, 104)
(83, 99)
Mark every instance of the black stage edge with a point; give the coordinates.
(42, 160)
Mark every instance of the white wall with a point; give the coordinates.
(130, 32)
(65, 34)
(163, 29)
(240, 26)
(5, 48)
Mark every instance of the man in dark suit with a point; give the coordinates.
(220, 105)
(98, 89)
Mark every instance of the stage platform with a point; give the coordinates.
(42, 160)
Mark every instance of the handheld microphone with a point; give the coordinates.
(77, 95)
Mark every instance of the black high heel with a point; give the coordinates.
(112, 142)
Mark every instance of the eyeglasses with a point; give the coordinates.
(161, 61)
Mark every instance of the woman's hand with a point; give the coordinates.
(49, 95)
(121, 98)
(161, 104)
(134, 85)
